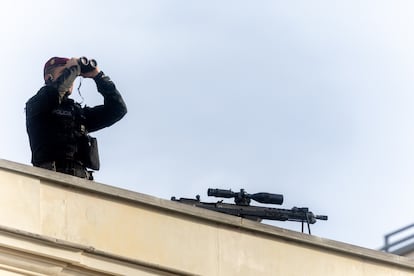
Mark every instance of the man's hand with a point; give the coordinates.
(91, 74)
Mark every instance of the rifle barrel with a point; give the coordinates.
(322, 217)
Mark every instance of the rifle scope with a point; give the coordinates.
(243, 198)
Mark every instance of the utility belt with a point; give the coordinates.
(70, 167)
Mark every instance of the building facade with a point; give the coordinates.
(56, 224)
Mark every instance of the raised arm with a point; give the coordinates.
(111, 111)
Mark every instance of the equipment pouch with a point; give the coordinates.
(90, 153)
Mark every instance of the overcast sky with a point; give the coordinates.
(310, 99)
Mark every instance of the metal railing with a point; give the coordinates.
(401, 241)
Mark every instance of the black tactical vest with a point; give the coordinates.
(68, 123)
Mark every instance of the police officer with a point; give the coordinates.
(59, 128)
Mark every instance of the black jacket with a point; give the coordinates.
(56, 124)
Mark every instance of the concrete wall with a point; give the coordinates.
(24, 253)
(176, 238)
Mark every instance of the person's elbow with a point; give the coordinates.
(121, 111)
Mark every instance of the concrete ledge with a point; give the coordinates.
(201, 216)
(22, 251)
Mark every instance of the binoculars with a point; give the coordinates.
(86, 64)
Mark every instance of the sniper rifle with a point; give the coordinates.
(242, 207)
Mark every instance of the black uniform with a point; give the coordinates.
(58, 127)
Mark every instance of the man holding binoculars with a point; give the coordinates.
(58, 127)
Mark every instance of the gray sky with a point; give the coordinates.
(310, 99)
